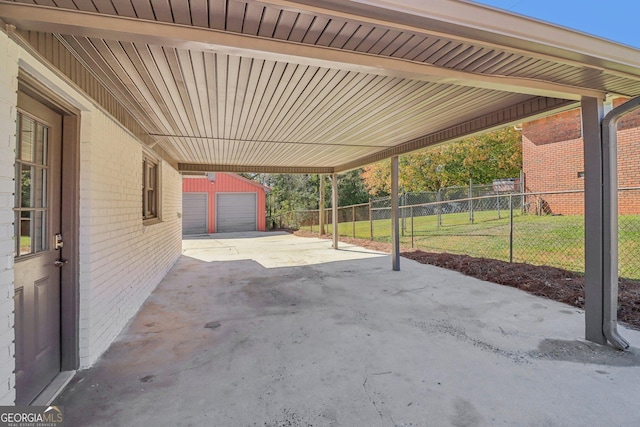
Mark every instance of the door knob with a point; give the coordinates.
(60, 262)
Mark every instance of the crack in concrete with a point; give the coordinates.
(373, 402)
(364, 387)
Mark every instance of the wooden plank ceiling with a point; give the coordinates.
(326, 86)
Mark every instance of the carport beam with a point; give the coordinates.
(395, 230)
(321, 205)
(334, 209)
(594, 203)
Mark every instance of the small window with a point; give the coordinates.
(580, 174)
(150, 189)
(31, 205)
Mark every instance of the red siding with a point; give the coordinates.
(552, 156)
(226, 183)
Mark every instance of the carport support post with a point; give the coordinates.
(321, 205)
(395, 230)
(334, 209)
(595, 258)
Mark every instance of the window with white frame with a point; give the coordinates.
(150, 189)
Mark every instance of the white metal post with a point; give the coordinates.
(321, 205)
(395, 230)
(334, 209)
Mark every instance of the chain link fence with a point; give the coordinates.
(534, 228)
(450, 194)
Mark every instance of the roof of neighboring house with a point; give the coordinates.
(322, 86)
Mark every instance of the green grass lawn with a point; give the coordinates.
(25, 244)
(542, 240)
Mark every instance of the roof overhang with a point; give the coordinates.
(325, 86)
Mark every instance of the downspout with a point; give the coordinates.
(610, 216)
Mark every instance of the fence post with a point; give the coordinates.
(522, 187)
(353, 220)
(439, 207)
(510, 228)
(470, 201)
(371, 217)
(403, 202)
(498, 200)
(411, 226)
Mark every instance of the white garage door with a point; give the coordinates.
(236, 212)
(194, 213)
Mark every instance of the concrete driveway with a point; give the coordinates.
(269, 329)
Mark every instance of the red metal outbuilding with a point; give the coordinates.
(222, 202)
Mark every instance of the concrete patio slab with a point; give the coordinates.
(269, 329)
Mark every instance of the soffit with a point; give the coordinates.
(278, 84)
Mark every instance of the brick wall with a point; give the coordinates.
(629, 121)
(560, 127)
(553, 157)
(629, 165)
(8, 100)
(121, 260)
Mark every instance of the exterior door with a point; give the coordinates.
(37, 221)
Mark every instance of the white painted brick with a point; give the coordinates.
(8, 99)
(121, 259)
(9, 398)
(7, 95)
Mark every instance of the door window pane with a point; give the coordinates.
(26, 232)
(38, 188)
(27, 137)
(41, 144)
(40, 231)
(26, 186)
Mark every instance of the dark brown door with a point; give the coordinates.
(37, 221)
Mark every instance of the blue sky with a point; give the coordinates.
(617, 20)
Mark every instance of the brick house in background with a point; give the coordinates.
(553, 160)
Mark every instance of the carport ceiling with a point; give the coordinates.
(324, 86)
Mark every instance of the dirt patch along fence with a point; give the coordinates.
(515, 227)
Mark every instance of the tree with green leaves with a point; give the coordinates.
(301, 191)
(351, 189)
(481, 158)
